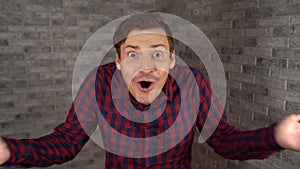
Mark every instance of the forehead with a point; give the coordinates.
(147, 36)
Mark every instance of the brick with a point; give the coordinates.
(241, 77)
(35, 49)
(272, 3)
(267, 62)
(222, 8)
(231, 51)
(3, 28)
(12, 84)
(271, 82)
(5, 70)
(229, 1)
(244, 42)
(231, 33)
(295, 20)
(261, 118)
(3, 42)
(288, 9)
(233, 15)
(4, 105)
(285, 53)
(273, 42)
(219, 25)
(254, 107)
(295, 42)
(49, 2)
(245, 23)
(255, 89)
(201, 11)
(289, 74)
(285, 95)
(41, 8)
(274, 21)
(4, 20)
(245, 4)
(258, 12)
(270, 101)
(255, 70)
(287, 31)
(232, 67)
(208, 18)
(30, 43)
(290, 158)
(259, 32)
(294, 64)
(241, 95)
(257, 51)
(37, 35)
(293, 86)
(63, 22)
(211, 2)
(10, 35)
(242, 59)
(293, 1)
(233, 84)
(224, 42)
(292, 107)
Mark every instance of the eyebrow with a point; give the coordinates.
(158, 45)
(152, 46)
(131, 46)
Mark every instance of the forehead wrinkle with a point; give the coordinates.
(149, 41)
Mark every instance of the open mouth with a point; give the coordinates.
(145, 86)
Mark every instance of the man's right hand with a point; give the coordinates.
(4, 152)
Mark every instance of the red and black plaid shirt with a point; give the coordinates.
(96, 93)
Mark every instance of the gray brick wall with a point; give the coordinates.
(258, 42)
(39, 43)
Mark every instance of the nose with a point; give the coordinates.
(147, 65)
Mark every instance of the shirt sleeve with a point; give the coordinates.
(227, 140)
(67, 139)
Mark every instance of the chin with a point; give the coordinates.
(149, 97)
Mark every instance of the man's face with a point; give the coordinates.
(145, 62)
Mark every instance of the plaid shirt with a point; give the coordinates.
(69, 138)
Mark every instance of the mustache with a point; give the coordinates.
(149, 76)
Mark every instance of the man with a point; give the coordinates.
(145, 59)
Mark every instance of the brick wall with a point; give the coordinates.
(258, 42)
(39, 43)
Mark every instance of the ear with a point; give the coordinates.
(172, 59)
(118, 61)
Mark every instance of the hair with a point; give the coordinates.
(141, 21)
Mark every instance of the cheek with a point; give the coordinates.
(163, 77)
(127, 74)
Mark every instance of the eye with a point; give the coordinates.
(157, 54)
(132, 54)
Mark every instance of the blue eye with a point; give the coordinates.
(132, 54)
(157, 54)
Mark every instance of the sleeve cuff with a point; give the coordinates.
(272, 141)
(13, 152)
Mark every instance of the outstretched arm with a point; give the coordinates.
(60, 146)
(232, 143)
(64, 143)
